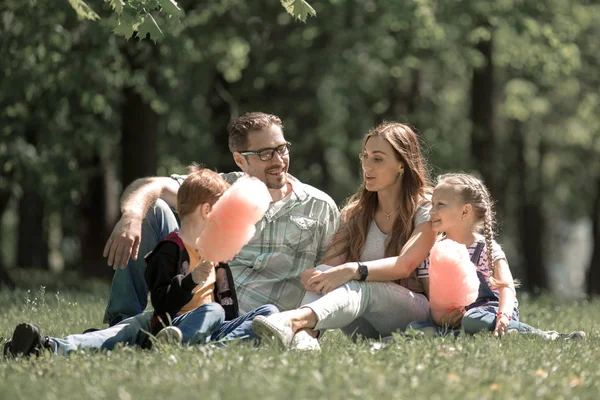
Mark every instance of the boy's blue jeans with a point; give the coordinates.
(129, 292)
(202, 325)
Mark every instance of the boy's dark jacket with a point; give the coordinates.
(171, 285)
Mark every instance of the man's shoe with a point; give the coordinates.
(274, 328)
(170, 335)
(304, 342)
(26, 341)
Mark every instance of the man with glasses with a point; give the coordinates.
(291, 237)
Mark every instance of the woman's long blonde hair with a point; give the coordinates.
(349, 240)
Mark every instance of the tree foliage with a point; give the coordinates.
(330, 79)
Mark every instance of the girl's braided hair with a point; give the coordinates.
(473, 191)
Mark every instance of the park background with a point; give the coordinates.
(507, 89)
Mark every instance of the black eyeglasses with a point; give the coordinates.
(267, 154)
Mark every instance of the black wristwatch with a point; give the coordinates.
(363, 270)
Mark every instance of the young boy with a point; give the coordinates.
(184, 289)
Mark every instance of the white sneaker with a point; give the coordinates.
(304, 342)
(170, 335)
(274, 328)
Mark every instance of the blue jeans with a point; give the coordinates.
(475, 320)
(202, 325)
(129, 292)
(483, 318)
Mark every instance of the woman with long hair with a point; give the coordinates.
(368, 282)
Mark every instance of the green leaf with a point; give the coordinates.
(171, 8)
(299, 9)
(149, 26)
(126, 25)
(117, 5)
(83, 10)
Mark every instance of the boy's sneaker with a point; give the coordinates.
(274, 328)
(170, 335)
(304, 342)
(577, 335)
(554, 335)
(26, 341)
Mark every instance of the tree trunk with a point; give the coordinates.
(530, 217)
(139, 123)
(593, 273)
(5, 278)
(483, 149)
(98, 210)
(32, 245)
(224, 111)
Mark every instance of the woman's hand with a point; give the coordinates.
(501, 325)
(331, 279)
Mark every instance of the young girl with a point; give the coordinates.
(369, 283)
(462, 209)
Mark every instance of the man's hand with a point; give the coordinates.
(124, 241)
(202, 271)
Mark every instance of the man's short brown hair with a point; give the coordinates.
(246, 123)
(201, 186)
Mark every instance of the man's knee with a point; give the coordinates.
(266, 310)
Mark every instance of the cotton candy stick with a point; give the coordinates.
(230, 224)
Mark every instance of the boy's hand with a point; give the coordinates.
(202, 271)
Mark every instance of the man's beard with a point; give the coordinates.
(273, 183)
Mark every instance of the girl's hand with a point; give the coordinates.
(501, 325)
(306, 275)
(202, 271)
(331, 279)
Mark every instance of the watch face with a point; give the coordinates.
(364, 271)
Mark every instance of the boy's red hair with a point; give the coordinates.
(201, 186)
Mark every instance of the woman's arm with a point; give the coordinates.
(386, 269)
(412, 254)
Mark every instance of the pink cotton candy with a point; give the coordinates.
(230, 224)
(453, 281)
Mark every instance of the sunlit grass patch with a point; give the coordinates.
(477, 367)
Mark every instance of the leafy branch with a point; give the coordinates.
(136, 15)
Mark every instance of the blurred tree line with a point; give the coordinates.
(506, 88)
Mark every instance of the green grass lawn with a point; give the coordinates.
(443, 368)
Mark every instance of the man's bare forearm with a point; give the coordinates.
(142, 193)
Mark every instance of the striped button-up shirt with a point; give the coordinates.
(291, 237)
